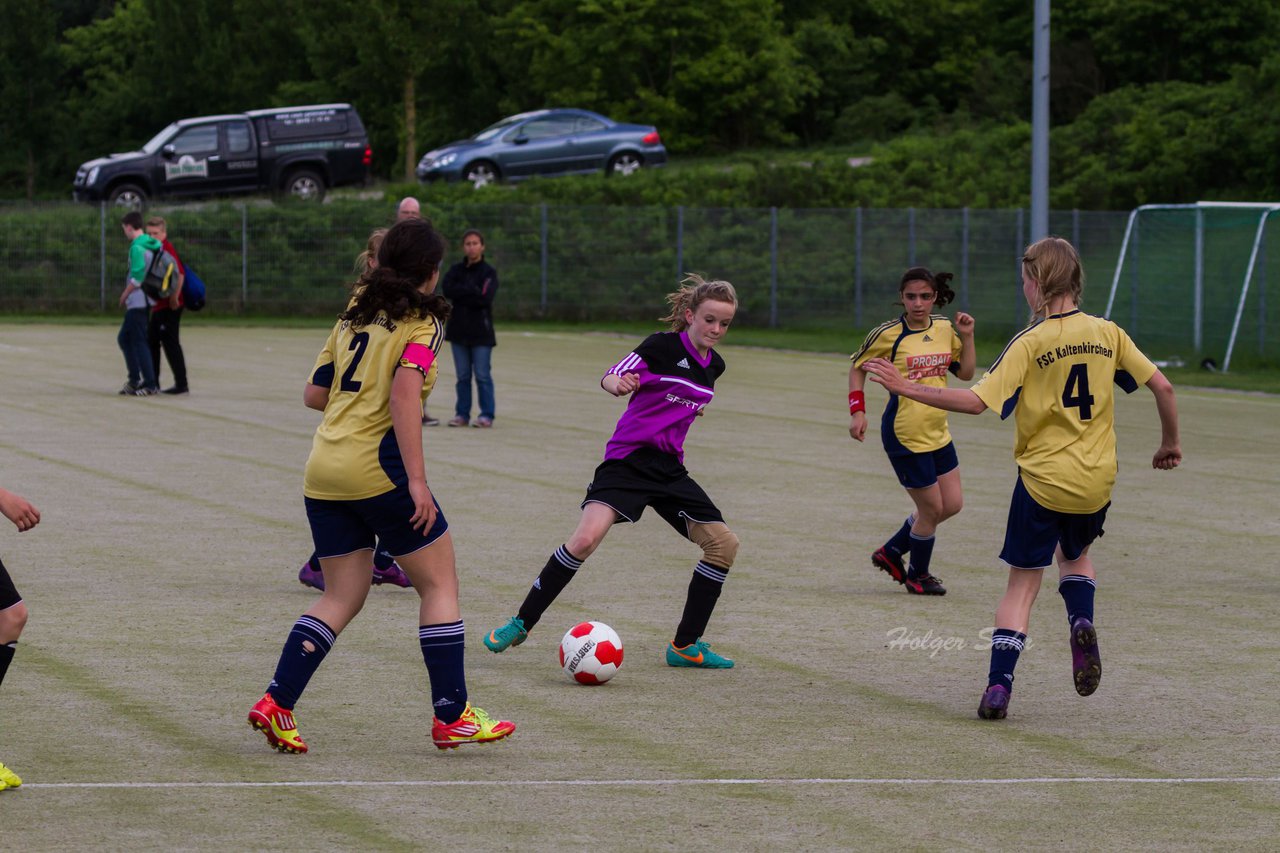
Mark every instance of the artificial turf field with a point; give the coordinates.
(162, 582)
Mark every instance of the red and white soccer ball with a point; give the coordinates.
(591, 653)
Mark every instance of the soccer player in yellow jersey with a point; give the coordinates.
(13, 612)
(1056, 377)
(366, 480)
(923, 346)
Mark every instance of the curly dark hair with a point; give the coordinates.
(938, 281)
(409, 255)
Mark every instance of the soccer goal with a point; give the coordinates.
(1197, 281)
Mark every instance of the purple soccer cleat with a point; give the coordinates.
(308, 576)
(995, 703)
(392, 574)
(1086, 662)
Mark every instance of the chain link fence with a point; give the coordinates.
(793, 268)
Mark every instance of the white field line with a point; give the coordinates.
(658, 783)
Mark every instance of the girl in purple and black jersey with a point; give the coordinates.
(670, 378)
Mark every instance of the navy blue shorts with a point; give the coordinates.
(1033, 532)
(343, 527)
(921, 470)
(8, 592)
(649, 477)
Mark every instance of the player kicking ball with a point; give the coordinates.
(1056, 378)
(670, 378)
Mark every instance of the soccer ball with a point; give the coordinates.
(591, 653)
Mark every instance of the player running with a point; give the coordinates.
(923, 346)
(670, 378)
(13, 613)
(1056, 378)
(366, 478)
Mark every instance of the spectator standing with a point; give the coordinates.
(166, 315)
(470, 286)
(409, 208)
(141, 381)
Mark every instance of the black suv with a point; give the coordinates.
(297, 151)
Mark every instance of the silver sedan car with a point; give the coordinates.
(545, 142)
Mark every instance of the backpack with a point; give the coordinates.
(193, 291)
(161, 276)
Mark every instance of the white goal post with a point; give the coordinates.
(1265, 211)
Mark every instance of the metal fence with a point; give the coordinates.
(793, 268)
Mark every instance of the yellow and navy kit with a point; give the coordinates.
(354, 454)
(1057, 378)
(921, 355)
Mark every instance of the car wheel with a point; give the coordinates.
(304, 185)
(128, 196)
(625, 163)
(481, 174)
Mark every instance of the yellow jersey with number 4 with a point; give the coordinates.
(1057, 378)
(354, 454)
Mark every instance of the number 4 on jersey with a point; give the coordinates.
(1076, 393)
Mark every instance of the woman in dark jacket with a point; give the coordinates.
(471, 285)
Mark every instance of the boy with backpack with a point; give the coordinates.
(141, 381)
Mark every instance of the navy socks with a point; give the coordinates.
(442, 651)
(304, 650)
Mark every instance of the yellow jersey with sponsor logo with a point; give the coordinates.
(354, 454)
(921, 355)
(1057, 378)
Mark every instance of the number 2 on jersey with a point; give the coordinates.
(1076, 393)
(359, 341)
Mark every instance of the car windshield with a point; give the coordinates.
(496, 129)
(160, 139)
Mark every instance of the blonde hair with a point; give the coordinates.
(367, 259)
(1054, 264)
(694, 290)
(157, 222)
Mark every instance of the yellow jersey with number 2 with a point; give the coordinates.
(1057, 378)
(354, 454)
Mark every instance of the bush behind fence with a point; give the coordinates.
(793, 268)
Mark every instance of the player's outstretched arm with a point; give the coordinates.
(18, 510)
(1169, 454)
(951, 399)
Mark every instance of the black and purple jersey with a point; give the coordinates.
(675, 384)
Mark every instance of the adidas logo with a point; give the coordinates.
(684, 362)
(928, 340)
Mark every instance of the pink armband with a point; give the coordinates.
(419, 355)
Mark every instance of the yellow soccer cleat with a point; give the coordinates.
(474, 726)
(8, 779)
(277, 724)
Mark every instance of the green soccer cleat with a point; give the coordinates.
(697, 654)
(8, 779)
(510, 634)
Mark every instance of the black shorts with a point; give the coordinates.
(8, 592)
(649, 477)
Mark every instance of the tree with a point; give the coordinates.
(29, 73)
(719, 74)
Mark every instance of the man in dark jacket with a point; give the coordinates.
(471, 285)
